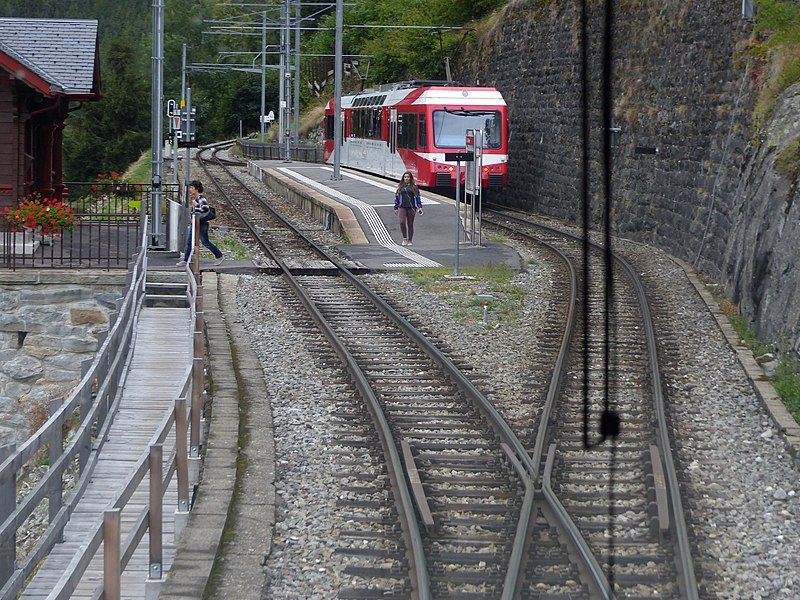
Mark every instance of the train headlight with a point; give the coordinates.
(451, 169)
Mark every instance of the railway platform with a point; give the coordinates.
(373, 229)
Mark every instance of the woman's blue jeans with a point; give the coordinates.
(203, 239)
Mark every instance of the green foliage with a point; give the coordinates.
(788, 162)
(778, 26)
(400, 54)
(787, 379)
(139, 172)
(787, 384)
(111, 133)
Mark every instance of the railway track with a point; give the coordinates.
(460, 484)
(621, 495)
(462, 504)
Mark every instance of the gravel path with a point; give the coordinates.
(302, 563)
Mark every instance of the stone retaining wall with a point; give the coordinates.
(691, 174)
(49, 323)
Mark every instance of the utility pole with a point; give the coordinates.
(183, 104)
(337, 94)
(282, 83)
(287, 156)
(156, 122)
(297, 10)
(263, 75)
(187, 167)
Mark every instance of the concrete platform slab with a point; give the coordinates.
(372, 200)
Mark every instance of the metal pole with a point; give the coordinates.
(187, 167)
(261, 122)
(182, 105)
(479, 189)
(287, 157)
(297, 9)
(156, 139)
(281, 86)
(337, 94)
(456, 268)
(183, 75)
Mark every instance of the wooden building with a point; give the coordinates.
(48, 67)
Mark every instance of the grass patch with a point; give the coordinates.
(463, 294)
(777, 51)
(788, 162)
(787, 384)
(139, 171)
(230, 246)
(787, 379)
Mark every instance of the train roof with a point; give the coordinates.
(423, 92)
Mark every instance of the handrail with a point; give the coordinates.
(105, 368)
(80, 562)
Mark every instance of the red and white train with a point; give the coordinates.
(409, 126)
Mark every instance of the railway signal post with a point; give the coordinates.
(458, 157)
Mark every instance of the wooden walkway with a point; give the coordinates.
(161, 355)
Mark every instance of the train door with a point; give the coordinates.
(346, 124)
(391, 166)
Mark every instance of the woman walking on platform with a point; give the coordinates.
(406, 205)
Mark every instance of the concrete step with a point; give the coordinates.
(173, 276)
(167, 288)
(166, 300)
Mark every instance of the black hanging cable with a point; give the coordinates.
(585, 208)
(610, 422)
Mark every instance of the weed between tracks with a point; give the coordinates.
(465, 294)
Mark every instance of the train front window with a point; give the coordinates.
(450, 127)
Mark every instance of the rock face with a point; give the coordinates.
(689, 176)
(46, 331)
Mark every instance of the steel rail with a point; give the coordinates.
(582, 549)
(498, 424)
(685, 566)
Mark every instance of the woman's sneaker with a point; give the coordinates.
(219, 261)
(180, 263)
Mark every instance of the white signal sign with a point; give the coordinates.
(170, 107)
(175, 123)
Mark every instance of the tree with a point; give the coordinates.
(111, 133)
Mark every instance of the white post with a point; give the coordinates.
(337, 94)
(156, 142)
